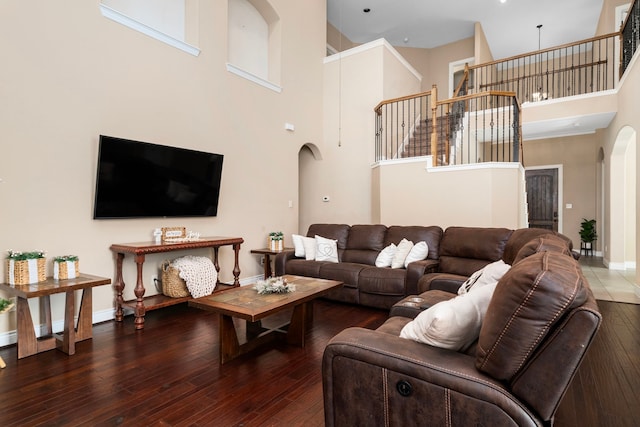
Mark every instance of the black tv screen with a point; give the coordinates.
(143, 180)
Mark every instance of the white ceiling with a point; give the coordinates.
(510, 27)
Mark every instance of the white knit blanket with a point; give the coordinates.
(199, 274)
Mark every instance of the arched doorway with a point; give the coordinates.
(622, 202)
(308, 172)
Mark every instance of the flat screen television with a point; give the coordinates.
(143, 180)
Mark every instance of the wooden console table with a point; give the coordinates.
(141, 304)
(28, 344)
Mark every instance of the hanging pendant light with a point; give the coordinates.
(539, 95)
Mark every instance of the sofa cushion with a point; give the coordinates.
(464, 250)
(382, 281)
(453, 324)
(531, 297)
(369, 237)
(548, 242)
(431, 235)
(326, 249)
(403, 249)
(302, 267)
(385, 256)
(346, 272)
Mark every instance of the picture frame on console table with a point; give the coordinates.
(173, 233)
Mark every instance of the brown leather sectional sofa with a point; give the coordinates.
(453, 255)
(539, 323)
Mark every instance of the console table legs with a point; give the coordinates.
(139, 290)
(119, 287)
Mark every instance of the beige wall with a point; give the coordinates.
(354, 83)
(337, 40)
(69, 75)
(623, 130)
(482, 51)
(433, 63)
(577, 155)
(486, 195)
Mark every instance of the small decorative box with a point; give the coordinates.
(66, 267)
(25, 268)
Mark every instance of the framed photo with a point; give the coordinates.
(174, 233)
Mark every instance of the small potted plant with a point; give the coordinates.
(588, 233)
(276, 241)
(24, 268)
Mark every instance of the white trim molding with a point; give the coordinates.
(127, 21)
(252, 77)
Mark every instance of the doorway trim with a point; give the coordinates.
(457, 66)
(560, 192)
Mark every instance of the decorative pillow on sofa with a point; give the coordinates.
(418, 252)
(386, 256)
(309, 244)
(534, 294)
(298, 244)
(404, 247)
(326, 249)
(453, 324)
(491, 273)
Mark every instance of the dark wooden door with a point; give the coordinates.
(542, 198)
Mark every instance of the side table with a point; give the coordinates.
(266, 253)
(28, 344)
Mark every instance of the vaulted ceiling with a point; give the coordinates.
(510, 27)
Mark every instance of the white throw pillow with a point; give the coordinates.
(298, 245)
(309, 244)
(404, 247)
(418, 252)
(491, 273)
(386, 256)
(453, 324)
(326, 249)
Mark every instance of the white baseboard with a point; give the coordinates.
(11, 337)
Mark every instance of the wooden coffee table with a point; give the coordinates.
(245, 303)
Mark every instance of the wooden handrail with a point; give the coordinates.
(476, 95)
(402, 98)
(551, 49)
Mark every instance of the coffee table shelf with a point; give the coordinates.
(246, 304)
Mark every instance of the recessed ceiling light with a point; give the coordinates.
(503, 1)
(406, 39)
(366, 10)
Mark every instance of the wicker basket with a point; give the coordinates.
(19, 272)
(61, 270)
(172, 285)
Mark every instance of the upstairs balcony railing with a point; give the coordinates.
(630, 35)
(476, 128)
(573, 69)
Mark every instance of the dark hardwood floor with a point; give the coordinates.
(169, 375)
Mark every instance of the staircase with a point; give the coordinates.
(447, 126)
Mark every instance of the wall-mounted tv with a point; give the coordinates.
(143, 180)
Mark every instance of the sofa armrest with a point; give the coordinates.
(375, 378)
(415, 271)
(441, 281)
(280, 261)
